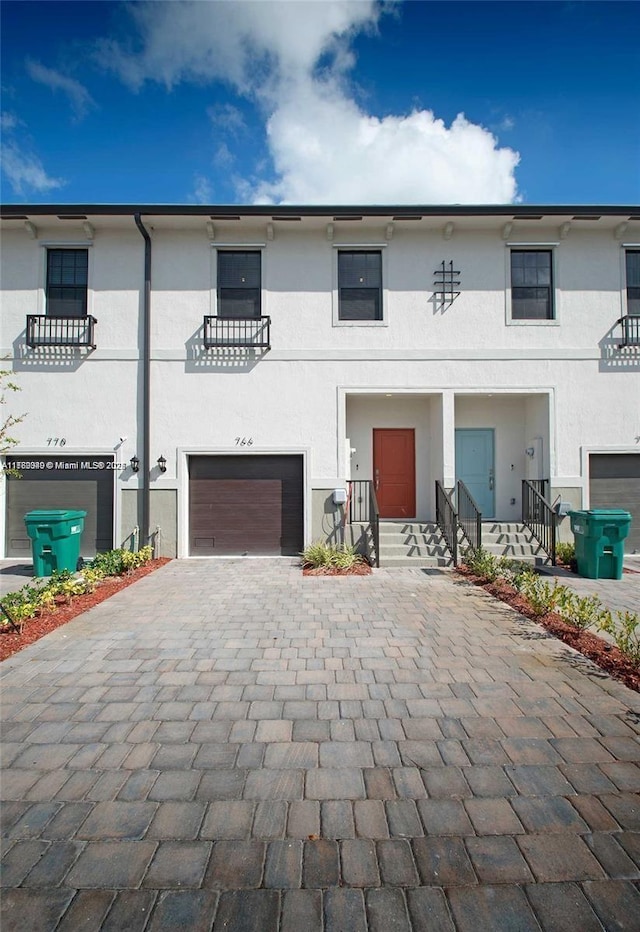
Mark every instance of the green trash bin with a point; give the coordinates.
(599, 535)
(55, 539)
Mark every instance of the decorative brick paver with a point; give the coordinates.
(229, 746)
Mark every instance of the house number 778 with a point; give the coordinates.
(56, 441)
(244, 441)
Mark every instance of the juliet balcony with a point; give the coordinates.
(630, 328)
(46, 330)
(242, 332)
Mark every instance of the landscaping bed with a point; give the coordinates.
(619, 664)
(323, 559)
(65, 609)
(360, 569)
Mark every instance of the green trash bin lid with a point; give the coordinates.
(51, 515)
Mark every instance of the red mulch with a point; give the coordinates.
(360, 569)
(601, 652)
(35, 628)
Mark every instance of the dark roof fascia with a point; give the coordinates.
(270, 210)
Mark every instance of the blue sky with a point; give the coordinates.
(333, 101)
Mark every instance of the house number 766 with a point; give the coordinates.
(244, 441)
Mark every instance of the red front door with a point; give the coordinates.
(394, 471)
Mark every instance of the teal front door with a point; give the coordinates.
(475, 465)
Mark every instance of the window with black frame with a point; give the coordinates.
(239, 284)
(633, 282)
(531, 284)
(67, 271)
(360, 285)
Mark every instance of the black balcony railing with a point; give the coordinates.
(630, 325)
(237, 331)
(45, 330)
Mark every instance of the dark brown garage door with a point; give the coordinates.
(614, 482)
(76, 482)
(249, 505)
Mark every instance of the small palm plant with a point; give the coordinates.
(321, 554)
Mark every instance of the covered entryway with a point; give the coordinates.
(246, 505)
(74, 482)
(394, 471)
(614, 482)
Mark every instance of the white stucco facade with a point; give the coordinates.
(551, 391)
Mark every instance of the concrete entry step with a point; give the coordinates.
(412, 543)
(512, 540)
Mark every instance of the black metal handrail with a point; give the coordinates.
(538, 515)
(447, 520)
(469, 516)
(630, 324)
(541, 486)
(363, 508)
(47, 330)
(374, 521)
(237, 331)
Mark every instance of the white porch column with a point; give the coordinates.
(448, 439)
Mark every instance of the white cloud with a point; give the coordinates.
(294, 59)
(8, 121)
(238, 42)
(228, 118)
(223, 156)
(202, 190)
(79, 97)
(326, 150)
(25, 172)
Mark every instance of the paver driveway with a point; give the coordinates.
(228, 745)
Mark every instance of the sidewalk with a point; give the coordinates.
(228, 746)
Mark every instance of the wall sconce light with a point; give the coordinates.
(530, 452)
(134, 462)
(162, 463)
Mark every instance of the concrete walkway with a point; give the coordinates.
(229, 746)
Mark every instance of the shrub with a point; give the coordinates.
(90, 577)
(21, 605)
(482, 563)
(541, 595)
(117, 562)
(625, 631)
(565, 553)
(581, 611)
(64, 584)
(320, 554)
(109, 562)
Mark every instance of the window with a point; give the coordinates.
(360, 285)
(239, 284)
(67, 282)
(633, 282)
(531, 285)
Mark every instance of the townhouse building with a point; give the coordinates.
(221, 379)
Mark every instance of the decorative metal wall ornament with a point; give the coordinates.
(445, 283)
